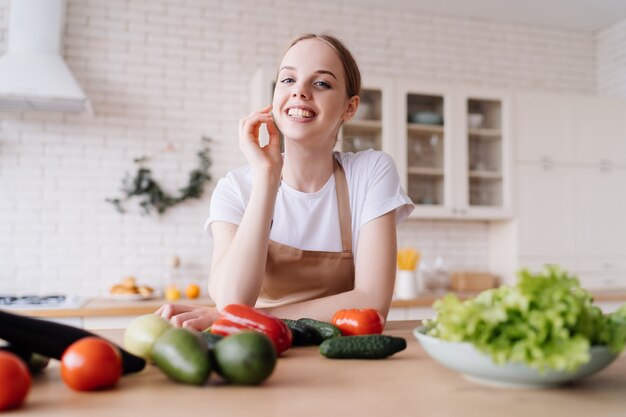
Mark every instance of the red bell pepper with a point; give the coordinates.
(238, 317)
(225, 327)
(357, 321)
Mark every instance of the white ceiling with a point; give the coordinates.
(587, 15)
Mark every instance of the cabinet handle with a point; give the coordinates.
(605, 165)
(546, 163)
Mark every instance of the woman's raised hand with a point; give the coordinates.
(267, 161)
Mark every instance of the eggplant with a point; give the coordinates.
(35, 362)
(50, 339)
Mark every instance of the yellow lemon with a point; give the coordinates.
(172, 294)
(192, 291)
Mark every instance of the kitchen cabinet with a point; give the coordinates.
(454, 155)
(544, 127)
(600, 130)
(546, 198)
(371, 127)
(571, 199)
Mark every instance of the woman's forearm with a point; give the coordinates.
(324, 308)
(237, 276)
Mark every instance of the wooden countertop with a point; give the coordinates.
(307, 384)
(100, 307)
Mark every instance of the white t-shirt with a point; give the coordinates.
(310, 221)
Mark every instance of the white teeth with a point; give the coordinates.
(300, 113)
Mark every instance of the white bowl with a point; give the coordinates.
(475, 120)
(478, 366)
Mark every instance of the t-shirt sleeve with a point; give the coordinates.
(227, 204)
(384, 192)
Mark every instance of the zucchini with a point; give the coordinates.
(211, 339)
(303, 334)
(371, 346)
(51, 339)
(326, 330)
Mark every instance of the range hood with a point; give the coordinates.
(33, 75)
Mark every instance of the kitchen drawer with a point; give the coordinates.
(420, 313)
(536, 264)
(607, 265)
(602, 280)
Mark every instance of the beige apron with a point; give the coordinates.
(293, 275)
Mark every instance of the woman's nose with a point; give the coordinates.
(300, 91)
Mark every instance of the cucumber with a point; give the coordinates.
(211, 339)
(303, 334)
(50, 339)
(371, 346)
(325, 330)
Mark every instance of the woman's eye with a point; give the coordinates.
(287, 80)
(322, 84)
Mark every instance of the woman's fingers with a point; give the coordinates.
(179, 319)
(167, 311)
(251, 125)
(198, 323)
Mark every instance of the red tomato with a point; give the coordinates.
(14, 381)
(357, 321)
(91, 363)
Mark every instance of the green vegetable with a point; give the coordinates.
(371, 346)
(303, 334)
(325, 330)
(183, 356)
(546, 321)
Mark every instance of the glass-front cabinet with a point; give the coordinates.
(455, 159)
(370, 126)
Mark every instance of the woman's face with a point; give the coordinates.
(310, 100)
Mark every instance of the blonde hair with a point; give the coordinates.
(350, 67)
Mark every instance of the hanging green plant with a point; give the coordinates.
(149, 193)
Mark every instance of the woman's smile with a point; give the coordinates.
(300, 114)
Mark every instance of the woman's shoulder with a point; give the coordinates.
(367, 159)
(239, 178)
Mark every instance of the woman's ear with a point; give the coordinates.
(353, 104)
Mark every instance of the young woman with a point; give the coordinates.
(310, 231)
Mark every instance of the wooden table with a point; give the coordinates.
(307, 384)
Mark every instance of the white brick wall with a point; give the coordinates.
(611, 60)
(162, 72)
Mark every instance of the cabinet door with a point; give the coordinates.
(544, 124)
(371, 126)
(600, 134)
(425, 153)
(601, 206)
(484, 163)
(546, 211)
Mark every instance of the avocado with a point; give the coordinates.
(246, 358)
(183, 356)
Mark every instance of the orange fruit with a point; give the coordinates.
(172, 293)
(192, 291)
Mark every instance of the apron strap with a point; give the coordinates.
(343, 204)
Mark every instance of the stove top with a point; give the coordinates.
(39, 301)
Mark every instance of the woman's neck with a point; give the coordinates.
(307, 170)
